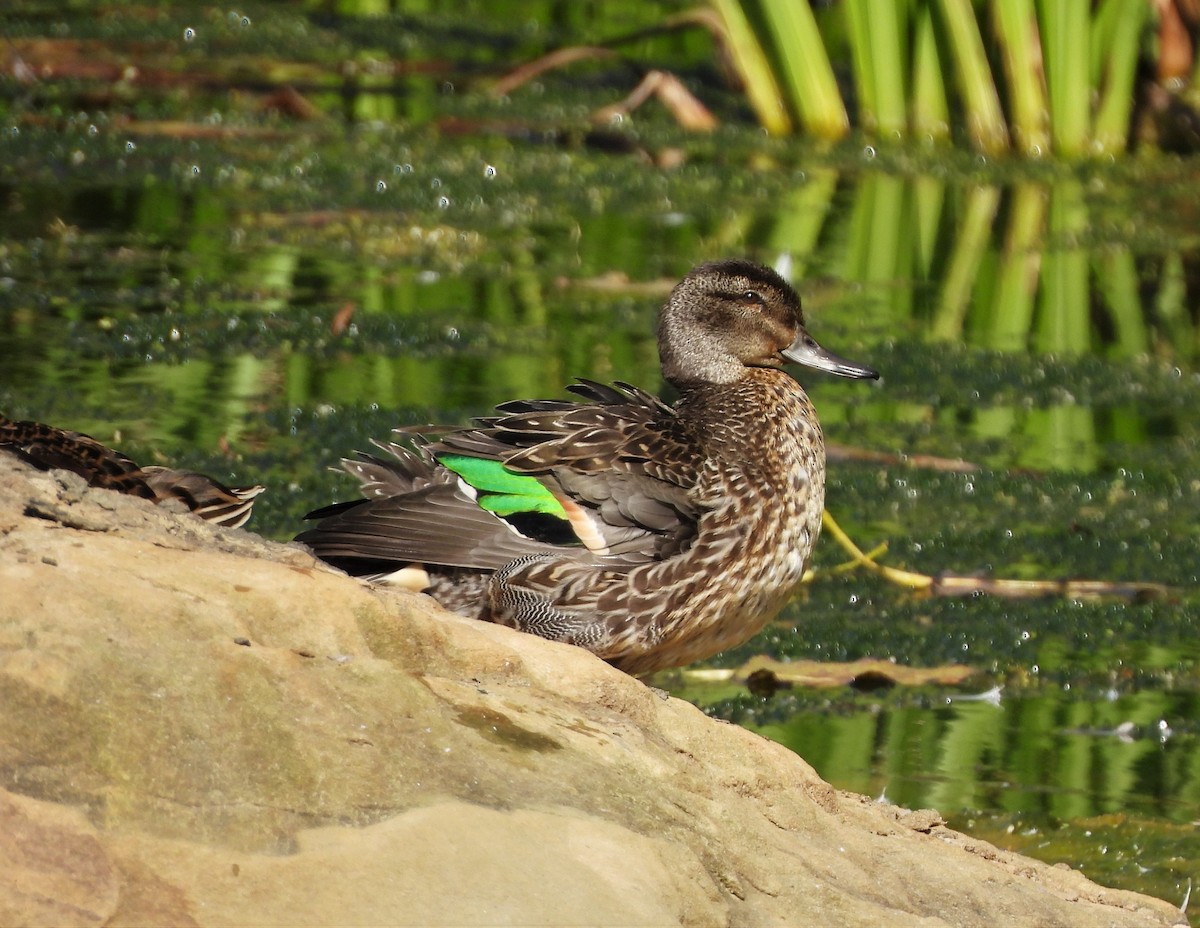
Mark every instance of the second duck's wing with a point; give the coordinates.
(208, 498)
(51, 448)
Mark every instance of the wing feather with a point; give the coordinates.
(416, 511)
(622, 455)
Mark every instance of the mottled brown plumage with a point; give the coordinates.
(51, 448)
(690, 525)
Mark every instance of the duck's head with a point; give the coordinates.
(727, 316)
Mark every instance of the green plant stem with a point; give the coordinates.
(804, 66)
(860, 57)
(930, 113)
(1120, 59)
(1016, 28)
(877, 41)
(754, 68)
(985, 120)
(1065, 40)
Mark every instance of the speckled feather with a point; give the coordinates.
(736, 570)
(696, 521)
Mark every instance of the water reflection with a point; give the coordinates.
(1046, 755)
(1015, 268)
(1019, 271)
(1041, 763)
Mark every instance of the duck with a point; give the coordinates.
(48, 447)
(654, 535)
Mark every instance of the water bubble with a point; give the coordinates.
(447, 87)
(435, 183)
(489, 171)
(443, 202)
(92, 130)
(245, 22)
(189, 34)
(381, 186)
(869, 152)
(195, 170)
(130, 146)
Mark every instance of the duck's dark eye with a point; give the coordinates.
(752, 296)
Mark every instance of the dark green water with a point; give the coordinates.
(176, 296)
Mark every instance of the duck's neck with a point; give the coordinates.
(764, 415)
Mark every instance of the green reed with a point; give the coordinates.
(1031, 76)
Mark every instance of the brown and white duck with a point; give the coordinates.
(652, 535)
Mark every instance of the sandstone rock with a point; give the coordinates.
(199, 727)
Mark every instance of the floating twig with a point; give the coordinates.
(950, 584)
(556, 59)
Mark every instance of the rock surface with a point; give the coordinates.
(198, 727)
